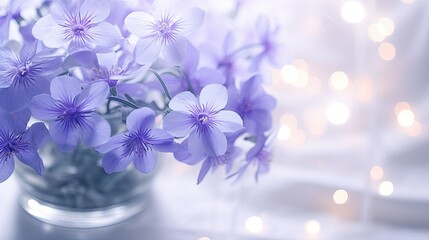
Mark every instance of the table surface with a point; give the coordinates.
(218, 210)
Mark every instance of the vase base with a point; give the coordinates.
(93, 218)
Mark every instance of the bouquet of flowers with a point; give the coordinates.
(74, 63)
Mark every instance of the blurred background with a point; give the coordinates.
(351, 156)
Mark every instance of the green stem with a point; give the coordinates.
(123, 101)
(164, 87)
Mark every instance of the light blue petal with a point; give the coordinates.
(94, 130)
(214, 97)
(94, 95)
(116, 160)
(140, 119)
(65, 88)
(146, 163)
(43, 107)
(31, 158)
(178, 124)
(228, 121)
(184, 102)
(208, 141)
(104, 34)
(114, 142)
(6, 168)
(204, 170)
(96, 10)
(65, 136)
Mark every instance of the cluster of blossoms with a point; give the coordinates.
(77, 63)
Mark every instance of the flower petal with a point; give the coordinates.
(204, 170)
(147, 51)
(208, 140)
(175, 51)
(116, 160)
(6, 168)
(94, 95)
(65, 88)
(191, 60)
(214, 97)
(48, 31)
(147, 163)
(61, 9)
(37, 134)
(66, 136)
(94, 131)
(228, 121)
(191, 19)
(178, 124)
(114, 142)
(31, 158)
(140, 23)
(105, 34)
(43, 107)
(96, 10)
(183, 102)
(140, 119)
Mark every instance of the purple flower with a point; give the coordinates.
(163, 31)
(70, 112)
(15, 140)
(203, 119)
(24, 76)
(260, 154)
(139, 145)
(272, 50)
(77, 23)
(253, 105)
(190, 77)
(211, 162)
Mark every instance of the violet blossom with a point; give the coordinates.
(253, 104)
(70, 112)
(163, 30)
(204, 120)
(77, 24)
(16, 140)
(25, 75)
(139, 145)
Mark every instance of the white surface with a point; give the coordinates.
(180, 210)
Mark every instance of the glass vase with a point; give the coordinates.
(74, 190)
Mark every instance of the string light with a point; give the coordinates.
(284, 132)
(385, 188)
(312, 227)
(377, 172)
(340, 196)
(353, 11)
(289, 74)
(254, 224)
(387, 51)
(405, 118)
(337, 113)
(339, 81)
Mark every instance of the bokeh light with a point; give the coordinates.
(385, 188)
(387, 51)
(353, 11)
(254, 224)
(337, 113)
(340, 196)
(377, 172)
(405, 118)
(312, 227)
(338, 81)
